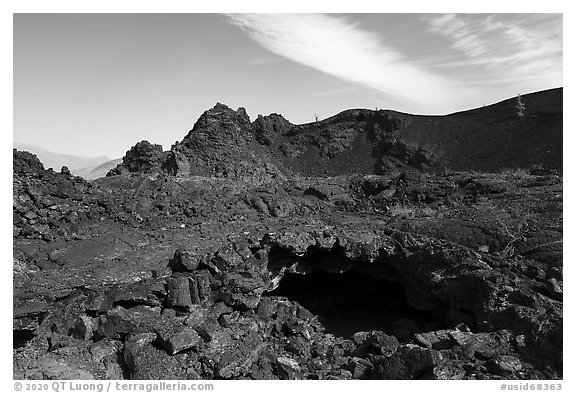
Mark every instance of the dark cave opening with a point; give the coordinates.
(20, 337)
(354, 301)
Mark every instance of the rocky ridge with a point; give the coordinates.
(224, 143)
(187, 265)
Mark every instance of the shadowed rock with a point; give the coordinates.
(224, 258)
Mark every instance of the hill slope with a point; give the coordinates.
(491, 138)
(192, 268)
(57, 160)
(96, 171)
(495, 137)
(223, 143)
(409, 276)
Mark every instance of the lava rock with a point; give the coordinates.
(240, 291)
(200, 289)
(178, 339)
(196, 316)
(253, 217)
(288, 368)
(506, 365)
(409, 362)
(145, 361)
(25, 163)
(361, 368)
(555, 289)
(183, 261)
(104, 348)
(437, 340)
(119, 321)
(179, 292)
(142, 157)
(376, 342)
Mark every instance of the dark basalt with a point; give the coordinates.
(216, 260)
(224, 143)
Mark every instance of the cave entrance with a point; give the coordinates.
(20, 337)
(354, 301)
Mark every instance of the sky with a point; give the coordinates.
(96, 84)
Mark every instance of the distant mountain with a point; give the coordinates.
(96, 171)
(89, 168)
(57, 160)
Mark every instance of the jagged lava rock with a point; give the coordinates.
(222, 144)
(201, 264)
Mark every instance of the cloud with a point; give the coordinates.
(525, 49)
(465, 36)
(340, 48)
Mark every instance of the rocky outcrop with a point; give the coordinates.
(143, 157)
(26, 163)
(218, 260)
(224, 144)
(219, 317)
(47, 204)
(268, 129)
(298, 301)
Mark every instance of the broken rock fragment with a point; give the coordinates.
(179, 292)
(178, 339)
(288, 368)
(183, 261)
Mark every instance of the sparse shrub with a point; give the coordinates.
(520, 107)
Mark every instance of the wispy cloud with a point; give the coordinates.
(465, 36)
(504, 47)
(340, 48)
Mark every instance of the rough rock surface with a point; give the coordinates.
(224, 143)
(143, 157)
(209, 270)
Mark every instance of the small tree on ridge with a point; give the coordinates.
(520, 106)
